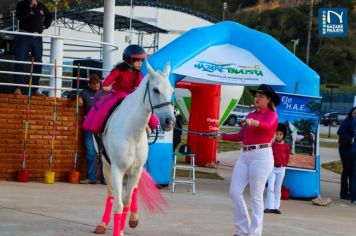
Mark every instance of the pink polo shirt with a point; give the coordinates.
(251, 135)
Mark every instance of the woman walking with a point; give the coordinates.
(256, 160)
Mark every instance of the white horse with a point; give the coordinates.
(293, 132)
(125, 142)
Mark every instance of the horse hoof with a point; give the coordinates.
(133, 223)
(100, 229)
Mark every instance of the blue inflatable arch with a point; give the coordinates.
(298, 77)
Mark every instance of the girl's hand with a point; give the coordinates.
(106, 88)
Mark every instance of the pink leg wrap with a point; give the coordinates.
(134, 203)
(108, 208)
(123, 218)
(117, 225)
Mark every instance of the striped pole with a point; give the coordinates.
(24, 147)
(76, 120)
(54, 119)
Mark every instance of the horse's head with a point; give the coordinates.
(160, 91)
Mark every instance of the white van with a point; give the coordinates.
(238, 114)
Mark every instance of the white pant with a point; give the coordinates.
(253, 167)
(275, 180)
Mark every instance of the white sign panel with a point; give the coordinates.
(227, 64)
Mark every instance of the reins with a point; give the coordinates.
(207, 133)
(156, 137)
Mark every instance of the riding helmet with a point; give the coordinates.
(133, 51)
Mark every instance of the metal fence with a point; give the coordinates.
(57, 52)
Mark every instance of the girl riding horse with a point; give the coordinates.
(125, 78)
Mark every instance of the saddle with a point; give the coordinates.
(101, 111)
(99, 114)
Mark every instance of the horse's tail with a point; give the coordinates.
(150, 195)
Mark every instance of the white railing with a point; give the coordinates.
(56, 49)
(58, 37)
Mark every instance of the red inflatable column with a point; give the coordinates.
(204, 117)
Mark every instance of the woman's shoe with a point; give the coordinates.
(345, 197)
(276, 211)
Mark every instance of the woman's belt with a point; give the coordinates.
(247, 148)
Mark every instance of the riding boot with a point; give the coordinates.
(133, 222)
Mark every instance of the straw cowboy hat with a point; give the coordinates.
(269, 92)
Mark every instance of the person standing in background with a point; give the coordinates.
(346, 134)
(33, 17)
(87, 97)
(177, 132)
(281, 152)
(353, 157)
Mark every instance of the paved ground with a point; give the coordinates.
(65, 209)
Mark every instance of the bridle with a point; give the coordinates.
(147, 91)
(163, 104)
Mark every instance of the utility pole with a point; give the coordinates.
(331, 87)
(224, 9)
(295, 43)
(310, 21)
(130, 27)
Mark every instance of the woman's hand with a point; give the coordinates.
(106, 88)
(252, 122)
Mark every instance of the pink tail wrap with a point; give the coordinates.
(108, 209)
(134, 202)
(151, 197)
(117, 225)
